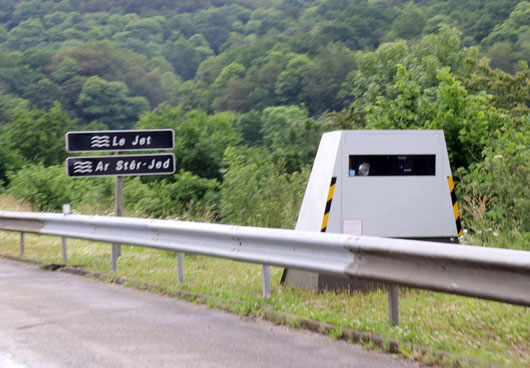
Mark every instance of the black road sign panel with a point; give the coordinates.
(120, 140)
(122, 165)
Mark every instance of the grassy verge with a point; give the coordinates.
(488, 331)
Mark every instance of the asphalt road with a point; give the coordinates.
(53, 319)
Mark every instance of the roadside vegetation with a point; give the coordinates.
(238, 167)
(487, 331)
(250, 86)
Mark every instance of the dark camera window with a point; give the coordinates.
(392, 165)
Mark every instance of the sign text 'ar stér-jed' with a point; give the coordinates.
(129, 165)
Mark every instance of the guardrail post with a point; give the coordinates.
(66, 211)
(266, 281)
(180, 268)
(115, 250)
(393, 306)
(65, 255)
(21, 243)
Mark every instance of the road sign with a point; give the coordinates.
(124, 165)
(120, 140)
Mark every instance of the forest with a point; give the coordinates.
(249, 86)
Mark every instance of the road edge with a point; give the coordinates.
(422, 354)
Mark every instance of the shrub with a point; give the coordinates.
(256, 191)
(46, 187)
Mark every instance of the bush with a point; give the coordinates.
(497, 190)
(184, 193)
(257, 192)
(46, 187)
(49, 188)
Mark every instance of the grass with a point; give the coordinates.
(488, 331)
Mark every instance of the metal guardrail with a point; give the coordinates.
(488, 273)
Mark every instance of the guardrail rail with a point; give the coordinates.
(488, 273)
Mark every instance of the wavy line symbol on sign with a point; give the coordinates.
(100, 141)
(82, 167)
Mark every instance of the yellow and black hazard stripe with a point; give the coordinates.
(455, 206)
(328, 204)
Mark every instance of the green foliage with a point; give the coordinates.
(291, 136)
(109, 103)
(409, 23)
(290, 52)
(45, 187)
(187, 189)
(268, 75)
(290, 81)
(201, 140)
(256, 192)
(517, 23)
(107, 61)
(277, 122)
(184, 194)
(10, 161)
(183, 56)
(67, 69)
(497, 190)
(324, 77)
(37, 136)
(249, 126)
(8, 105)
(509, 42)
(29, 33)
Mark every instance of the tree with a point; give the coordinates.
(107, 61)
(230, 83)
(67, 68)
(323, 79)
(43, 94)
(183, 57)
(147, 29)
(28, 33)
(501, 182)
(290, 81)
(253, 186)
(376, 71)
(249, 127)
(38, 136)
(516, 24)
(201, 140)
(409, 23)
(108, 102)
(9, 104)
(15, 76)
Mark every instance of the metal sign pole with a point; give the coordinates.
(116, 247)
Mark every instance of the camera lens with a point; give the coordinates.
(364, 169)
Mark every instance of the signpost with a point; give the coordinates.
(120, 165)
